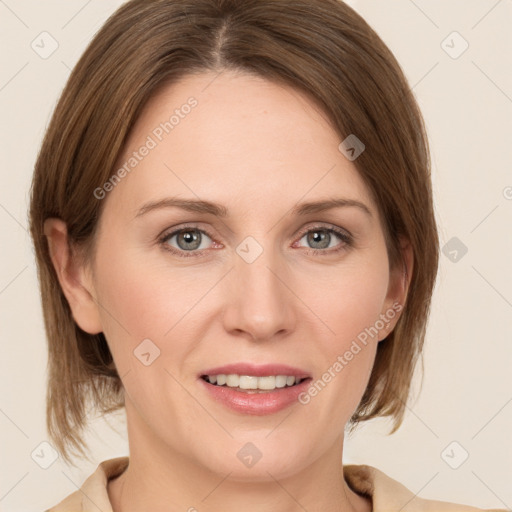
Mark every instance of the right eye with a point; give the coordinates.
(186, 240)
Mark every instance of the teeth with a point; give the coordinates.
(269, 382)
(248, 382)
(280, 381)
(232, 381)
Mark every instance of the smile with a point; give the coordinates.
(252, 382)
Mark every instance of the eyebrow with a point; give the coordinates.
(218, 210)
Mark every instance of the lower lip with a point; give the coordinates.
(256, 403)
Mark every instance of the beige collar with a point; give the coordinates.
(386, 494)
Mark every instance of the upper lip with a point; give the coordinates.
(257, 370)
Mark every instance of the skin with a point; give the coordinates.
(257, 148)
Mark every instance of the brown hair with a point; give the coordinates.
(320, 47)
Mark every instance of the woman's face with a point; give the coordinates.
(265, 289)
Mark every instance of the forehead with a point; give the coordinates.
(234, 137)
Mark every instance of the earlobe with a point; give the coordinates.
(72, 276)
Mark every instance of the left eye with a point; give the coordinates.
(321, 238)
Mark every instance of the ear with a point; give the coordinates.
(399, 281)
(73, 277)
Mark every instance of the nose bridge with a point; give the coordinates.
(260, 302)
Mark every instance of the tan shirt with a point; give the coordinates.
(386, 494)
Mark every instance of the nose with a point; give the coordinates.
(260, 303)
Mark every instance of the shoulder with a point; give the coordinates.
(93, 495)
(388, 495)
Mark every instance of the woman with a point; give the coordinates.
(233, 222)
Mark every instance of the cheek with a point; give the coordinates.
(348, 299)
(143, 300)
(146, 299)
(143, 309)
(349, 304)
(133, 305)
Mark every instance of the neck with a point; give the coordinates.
(160, 478)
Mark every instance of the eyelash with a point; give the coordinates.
(347, 241)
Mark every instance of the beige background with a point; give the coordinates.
(467, 392)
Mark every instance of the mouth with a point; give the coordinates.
(253, 383)
(248, 388)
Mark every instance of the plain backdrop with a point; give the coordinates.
(455, 443)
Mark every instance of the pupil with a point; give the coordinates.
(189, 237)
(320, 237)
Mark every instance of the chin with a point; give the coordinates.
(257, 457)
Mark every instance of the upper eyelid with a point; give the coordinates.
(318, 225)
